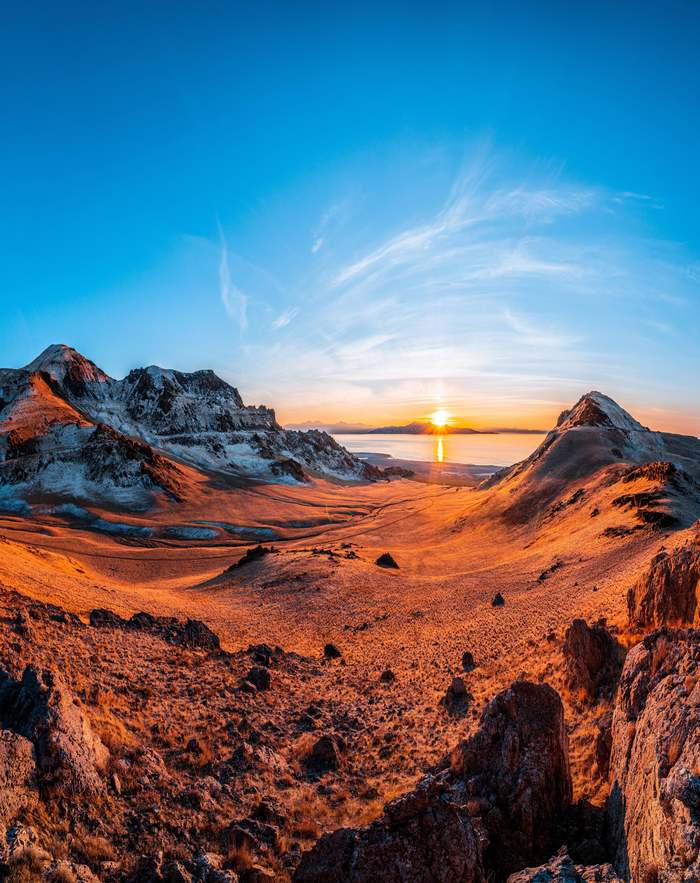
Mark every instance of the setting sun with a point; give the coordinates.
(439, 418)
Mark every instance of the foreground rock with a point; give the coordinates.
(654, 804)
(422, 837)
(516, 766)
(561, 869)
(17, 776)
(490, 810)
(42, 709)
(592, 659)
(668, 593)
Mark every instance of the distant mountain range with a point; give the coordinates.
(417, 427)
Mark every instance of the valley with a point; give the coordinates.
(249, 674)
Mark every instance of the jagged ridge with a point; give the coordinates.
(68, 428)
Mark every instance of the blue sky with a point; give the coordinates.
(361, 211)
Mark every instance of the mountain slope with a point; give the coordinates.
(598, 451)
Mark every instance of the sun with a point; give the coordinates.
(439, 418)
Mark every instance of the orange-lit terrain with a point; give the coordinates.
(193, 740)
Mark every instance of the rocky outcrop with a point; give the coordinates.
(489, 810)
(561, 869)
(191, 633)
(668, 592)
(592, 659)
(41, 708)
(516, 767)
(125, 461)
(324, 755)
(654, 804)
(17, 776)
(422, 837)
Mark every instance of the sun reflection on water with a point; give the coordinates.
(439, 450)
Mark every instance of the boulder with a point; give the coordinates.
(386, 560)
(489, 809)
(668, 592)
(208, 870)
(457, 697)
(654, 803)
(264, 654)
(259, 677)
(330, 651)
(41, 708)
(325, 755)
(468, 663)
(592, 659)
(498, 600)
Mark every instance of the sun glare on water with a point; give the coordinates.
(439, 418)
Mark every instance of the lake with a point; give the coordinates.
(502, 449)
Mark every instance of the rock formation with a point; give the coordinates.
(191, 633)
(592, 659)
(668, 592)
(654, 804)
(17, 776)
(422, 837)
(41, 709)
(490, 809)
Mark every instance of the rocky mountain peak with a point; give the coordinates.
(62, 363)
(596, 409)
(200, 383)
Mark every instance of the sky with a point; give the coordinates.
(364, 211)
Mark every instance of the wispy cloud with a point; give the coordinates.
(474, 216)
(234, 300)
(515, 287)
(285, 318)
(533, 335)
(329, 218)
(630, 196)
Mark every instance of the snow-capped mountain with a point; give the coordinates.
(67, 428)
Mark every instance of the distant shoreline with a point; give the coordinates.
(401, 430)
(430, 472)
(388, 431)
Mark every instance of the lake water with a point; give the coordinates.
(503, 449)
